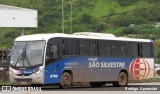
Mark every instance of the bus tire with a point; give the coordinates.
(122, 80)
(2, 77)
(66, 80)
(158, 72)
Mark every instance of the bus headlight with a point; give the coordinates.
(11, 72)
(38, 79)
(38, 72)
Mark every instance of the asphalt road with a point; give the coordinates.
(154, 86)
(140, 88)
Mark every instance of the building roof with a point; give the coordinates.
(11, 16)
(6, 7)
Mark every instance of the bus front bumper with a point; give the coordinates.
(30, 79)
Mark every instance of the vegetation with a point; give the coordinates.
(5, 83)
(131, 18)
(146, 80)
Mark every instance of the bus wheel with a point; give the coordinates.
(158, 72)
(122, 80)
(66, 80)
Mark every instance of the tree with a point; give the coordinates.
(86, 19)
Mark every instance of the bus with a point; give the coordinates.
(84, 57)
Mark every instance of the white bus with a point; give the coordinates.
(66, 59)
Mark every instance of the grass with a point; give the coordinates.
(5, 83)
(146, 80)
(101, 9)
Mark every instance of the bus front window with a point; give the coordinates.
(27, 54)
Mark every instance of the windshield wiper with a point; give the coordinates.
(23, 56)
(19, 58)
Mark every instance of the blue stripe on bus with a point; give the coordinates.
(29, 72)
(53, 72)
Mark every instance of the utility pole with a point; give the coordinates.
(22, 31)
(71, 4)
(62, 17)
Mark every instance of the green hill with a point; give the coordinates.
(110, 16)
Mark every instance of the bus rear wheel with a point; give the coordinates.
(158, 72)
(66, 80)
(122, 80)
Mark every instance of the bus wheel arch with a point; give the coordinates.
(70, 72)
(125, 71)
(122, 79)
(158, 72)
(66, 79)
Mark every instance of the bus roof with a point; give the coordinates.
(98, 36)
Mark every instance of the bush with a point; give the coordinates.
(150, 13)
(116, 31)
(126, 2)
(153, 1)
(143, 31)
(100, 27)
(126, 21)
(86, 19)
(81, 28)
(129, 30)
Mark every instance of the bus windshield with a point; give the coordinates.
(27, 54)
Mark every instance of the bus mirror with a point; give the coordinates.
(47, 57)
(51, 56)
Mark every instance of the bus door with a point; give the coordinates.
(52, 74)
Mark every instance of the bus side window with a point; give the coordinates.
(133, 50)
(104, 48)
(71, 47)
(53, 51)
(147, 50)
(88, 48)
(84, 47)
(119, 49)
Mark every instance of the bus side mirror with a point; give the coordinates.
(47, 57)
(50, 56)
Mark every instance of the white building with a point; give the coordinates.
(11, 16)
